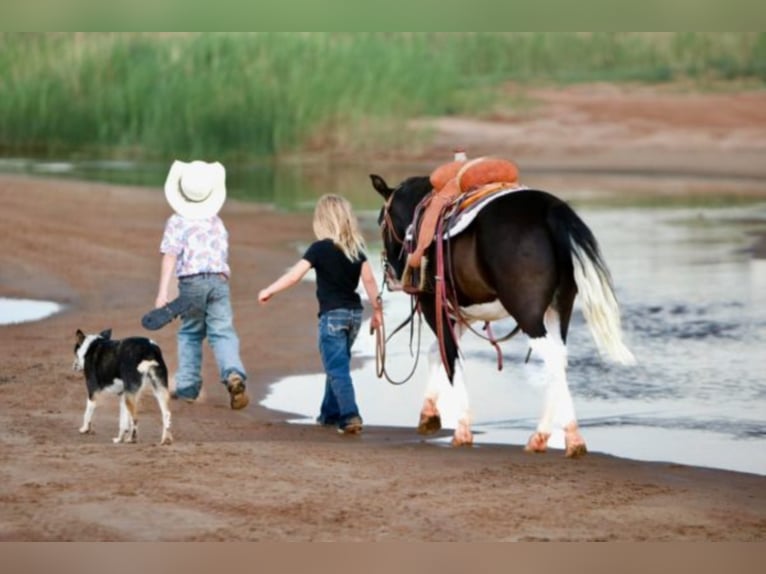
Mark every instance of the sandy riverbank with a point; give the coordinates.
(249, 475)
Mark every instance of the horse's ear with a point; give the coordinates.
(381, 186)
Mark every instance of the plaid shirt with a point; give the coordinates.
(201, 245)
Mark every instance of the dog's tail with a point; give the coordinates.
(146, 367)
(154, 371)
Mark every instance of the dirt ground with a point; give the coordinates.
(249, 475)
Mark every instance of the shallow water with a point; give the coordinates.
(694, 314)
(22, 310)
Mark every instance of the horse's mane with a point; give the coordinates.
(415, 188)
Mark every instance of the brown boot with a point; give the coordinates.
(235, 384)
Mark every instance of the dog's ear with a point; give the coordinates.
(80, 336)
(106, 333)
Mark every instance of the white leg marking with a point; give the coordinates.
(132, 428)
(435, 373)
(163, 400)
(131, 434)
(558, 403)
(133, 412)
(430, 417)
(463, 435)
(123, 428)
(437, 378)
(558, 406)
(86, 427)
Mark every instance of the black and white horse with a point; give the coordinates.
(526, 255)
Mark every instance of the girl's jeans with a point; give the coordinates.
(338, 329)
(211, 317)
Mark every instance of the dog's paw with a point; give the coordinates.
(167, 439)
(86, 430)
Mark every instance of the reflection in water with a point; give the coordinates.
(694, 313)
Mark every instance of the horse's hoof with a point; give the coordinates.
(537, 443)
(457, 442)
(576, 450)
(575, 445)
(430, 425)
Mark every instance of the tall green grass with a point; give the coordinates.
(264, 94)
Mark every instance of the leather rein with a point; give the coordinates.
(387, 226)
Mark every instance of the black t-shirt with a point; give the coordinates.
(337, 277)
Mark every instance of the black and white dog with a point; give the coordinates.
(122, 367)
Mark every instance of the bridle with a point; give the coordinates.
(387, 227)
(389, 281)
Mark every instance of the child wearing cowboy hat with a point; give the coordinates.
(195, 249)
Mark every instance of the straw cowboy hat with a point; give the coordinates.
(196, 190)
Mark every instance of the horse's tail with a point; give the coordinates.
(593, 280)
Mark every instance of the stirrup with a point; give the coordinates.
(414, 278)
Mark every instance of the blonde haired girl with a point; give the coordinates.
(334, 219)
(339, 260)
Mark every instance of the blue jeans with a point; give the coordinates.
(337, 331)
(210, 316)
